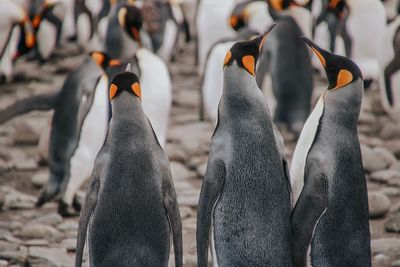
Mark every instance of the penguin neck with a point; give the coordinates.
(342, 106)
(240, 87)
(127, 106)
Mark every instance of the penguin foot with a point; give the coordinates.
(67, 211)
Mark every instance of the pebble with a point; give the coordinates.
(391, 191)
(5, 245)
(18, 200)
(384, 176)
(201, 170)
(24, 135)
(392, 225)
(379, 204)
(40, 178)
(396, 263)
(371, 161)
(69, 225)
(188, 200)
(180, 172)
(36, 242)
(393, 146)
(385, 155)
(390, 131)
(20, 255)
(175, 152)
(26, 165)
(381, 258)
(395, 166)
(56, 256)
(38, 231)
(386, 245)
(69, 244)
(49, 219)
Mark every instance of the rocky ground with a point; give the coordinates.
(40, 237)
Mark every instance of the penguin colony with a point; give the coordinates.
(111, 117)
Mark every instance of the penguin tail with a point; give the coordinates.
(38, 102)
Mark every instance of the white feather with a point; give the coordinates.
(156, 91)
(212, 26)
(303, 146)
(91, 139)
(83, 30)
(170, 36)
(46, 38)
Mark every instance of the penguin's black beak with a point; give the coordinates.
(261, 38)
(318, 51)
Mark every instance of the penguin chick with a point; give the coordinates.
(330, 223)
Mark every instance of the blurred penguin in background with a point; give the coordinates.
(212, 25)
(366, 25)
(248, 19)
(389, 78)
(47, 19)
(16, 35)
(285, 66)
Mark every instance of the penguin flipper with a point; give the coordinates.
(210, 191)
(308, 210)
(86, 212)
(172, 208)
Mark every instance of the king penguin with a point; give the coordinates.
(288, 62)
(14, 21)
(245, 196)
(390, 66)
(130, 209)
(329, 221)
(79, 109)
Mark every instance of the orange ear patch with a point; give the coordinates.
(227, 58)
(29, 40)
(113, 91)
(98, 58)
(344, 78)
(319, 55)
(137, 90)
(249, 64)
(276, 4)
(36, 22)
(234, 21)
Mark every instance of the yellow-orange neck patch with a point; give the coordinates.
(114, 62)
(113, 91)
(227, 58)
(344, 78)
(249, 64)
(137, 90)
(276, 4)
(234, 21)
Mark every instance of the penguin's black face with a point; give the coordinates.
(127, 81)
(246, 53)
(130, 19)
(340, 71)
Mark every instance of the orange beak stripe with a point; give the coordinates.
(321, 58)
(113, 91)
(137, 90)
(249, 64)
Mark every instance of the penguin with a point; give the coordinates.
(245, 197)
(212, 25)
(130, 209)
(47, 19)
(84, 21)
(212, 80)
(329, 221)
(286, 60)
(124, 26)
(71, 139)
(252, 14)
(366, 18)
(389, 79)
(15, 28)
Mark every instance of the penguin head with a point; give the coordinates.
(340, 71)
(279, 5)
(125, 81)
(246, 53)
(130, 19)
(239, 16)
(103, 60)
